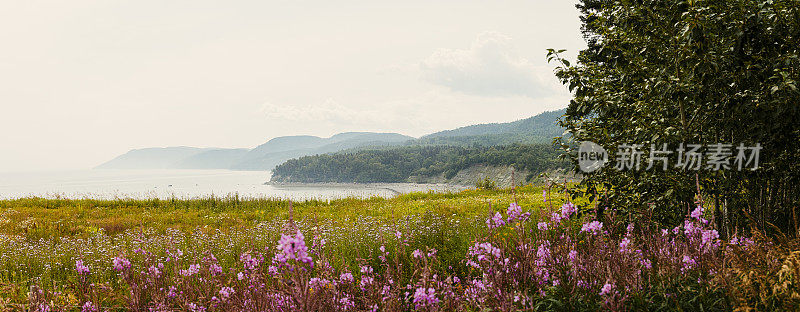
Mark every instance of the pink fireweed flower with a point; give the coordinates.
(594, 227)
(417, 253)
(192, 270)
(294, 247)
(215, 269)
(697, 214)
(623, 245)
(544, 195)
(226, 293)
(567, 210)
(542, 226)
(556, 217)
(572, 255)
(688, 263)
(606, 290)
(709, 238)
(424, 299)
(80, 268)
(366, 269)
(88, 307)
(154, 271)
(121, 264)
(346, 277)
(629, 228)
(515, 213)
(496, 221)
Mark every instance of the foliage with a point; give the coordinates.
(486, 184)
(705, 72)
(545, 259)
(401, 163)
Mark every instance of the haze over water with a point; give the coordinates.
(112, 184)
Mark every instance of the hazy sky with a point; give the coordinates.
(84, 81)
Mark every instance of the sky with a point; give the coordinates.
(84, 81)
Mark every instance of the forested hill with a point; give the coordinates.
(541, 128)
(400, 164)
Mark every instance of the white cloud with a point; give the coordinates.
(490, 67)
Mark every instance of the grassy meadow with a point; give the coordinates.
(474, 250)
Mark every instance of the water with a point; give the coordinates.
(112, 184)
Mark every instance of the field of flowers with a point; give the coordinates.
(470, 251)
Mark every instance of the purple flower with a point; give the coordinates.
(567, 210)
(496, 221)
(542, 226)
(515, 213)
(544, 195)
(80, 268)
(192, 270)
(623, 245)
(88, 307)
(215, 269)
(424, 299)
(606, 290)
(594, 227)
(294, 247)
(417, 253)
(572, 255)
(121, 264)
(346, 277)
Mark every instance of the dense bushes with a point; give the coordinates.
(694, 72)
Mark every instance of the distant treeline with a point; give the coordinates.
(400, 163)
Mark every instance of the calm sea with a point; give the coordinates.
(111, 184)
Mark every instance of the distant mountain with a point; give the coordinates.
(278, 150)
(263, 157)
(212, 159)
(152, 158)
(541, 128)
(537, 129)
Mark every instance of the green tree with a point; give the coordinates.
(672, 71)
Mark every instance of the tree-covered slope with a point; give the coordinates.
(398, 164)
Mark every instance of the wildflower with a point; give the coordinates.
(294, 247)
(594, 227)
(709, 237)
(226, 293)
(630, 228)
(88, 307)
(542, 226)
(346, 303)
(623, 245)
(215, 269)
(192, 270)
(425, 299)
(432, 253)
(240, 276)
(606, 290)
(688, 263)
(397, 234)
(80, 268)
(346, 277)
(515, 213)
(544, 195)
(556, 218)
(121, 264)
(572, 255)
(417, 253)
(366, 269)
(496, 221)
(567, 210)
(646, 263)
(154, 271)
(697, 214)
